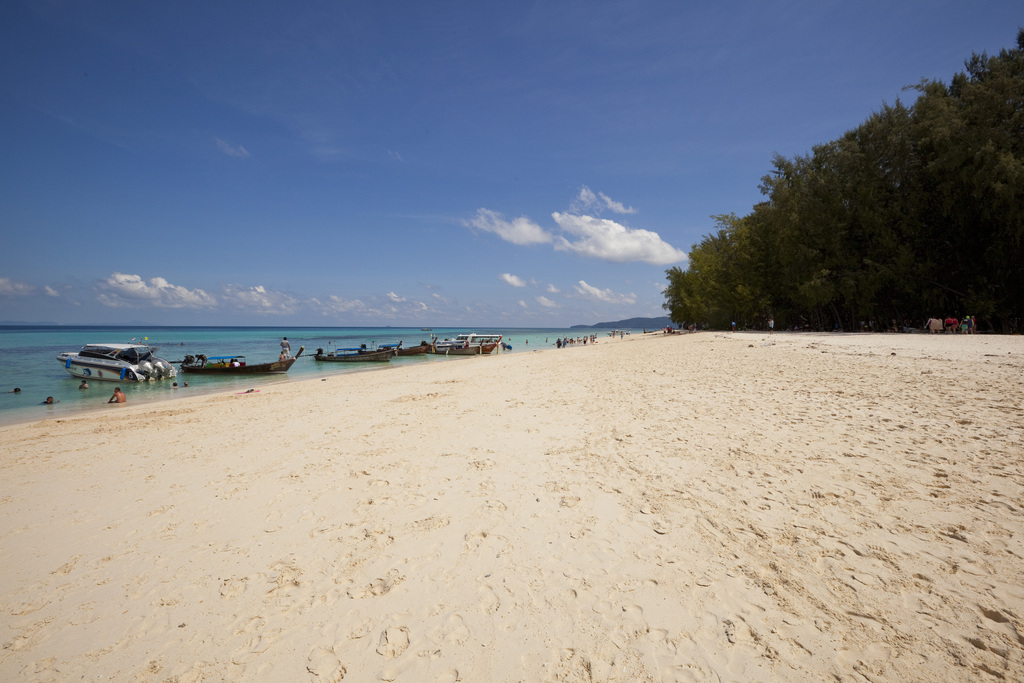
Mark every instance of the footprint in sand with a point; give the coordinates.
(232, 588)
(449, 676)
(489, 601)
(377, 587)
(394, 640)
(273, 517)
(458, 632)
(473, 540)
(359, 628)
(257, 640)
(325, 666)
(636, 623)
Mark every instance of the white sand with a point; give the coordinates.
(709, 507)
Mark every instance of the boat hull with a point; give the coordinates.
(96, 371)
(455, 350)
(278, 367)
(471, 350)
(361, 357)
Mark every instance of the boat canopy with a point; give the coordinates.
(117, 346)
(129, 353)
(225, 358)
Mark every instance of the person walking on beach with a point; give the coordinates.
(286, 348)
(771, 325)
(118, 396)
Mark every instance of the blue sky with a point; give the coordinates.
(519, 164)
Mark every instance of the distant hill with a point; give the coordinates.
(25, 323)
(629, 324)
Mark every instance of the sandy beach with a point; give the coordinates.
(706, 507)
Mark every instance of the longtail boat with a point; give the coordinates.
(236, 365)
(359, 354)
(401, 350)
(471, 344)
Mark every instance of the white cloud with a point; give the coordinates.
(604, 295)
(337, 304)
(9, 287)
(605, 239)
(588, 201)
(259, 299)
(50, 291)
(394, 297)
(237, 152)
(509, 278)
(587, 235)
(123, 290)
(522, 304)
(553, 290)
(545, 302)
(521, 231)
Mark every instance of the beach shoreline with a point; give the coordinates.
(707, 506)
(28, 363)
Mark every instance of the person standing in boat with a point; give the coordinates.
(286, 348)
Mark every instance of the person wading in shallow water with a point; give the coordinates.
(118, 396)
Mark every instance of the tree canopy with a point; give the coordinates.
(918, 212)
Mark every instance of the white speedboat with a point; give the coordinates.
(117, 363)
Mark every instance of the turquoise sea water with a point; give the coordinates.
(28, 359)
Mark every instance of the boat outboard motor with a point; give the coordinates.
(146, 368)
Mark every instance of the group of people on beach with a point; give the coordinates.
(566, 341)
(118, 396)
(950, 325)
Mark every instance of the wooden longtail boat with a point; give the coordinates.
(400, 350)
(236, 365)
(355, 355)
(466, 345)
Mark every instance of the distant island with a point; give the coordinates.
(629, 324)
